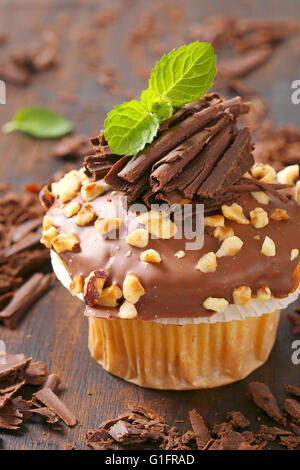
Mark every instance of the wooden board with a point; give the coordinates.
(55, 330)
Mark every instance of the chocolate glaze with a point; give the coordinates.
(174, 288)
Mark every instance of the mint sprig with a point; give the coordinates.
(180, 77)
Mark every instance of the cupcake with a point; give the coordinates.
(168, 310)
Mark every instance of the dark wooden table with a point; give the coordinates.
(55, 330)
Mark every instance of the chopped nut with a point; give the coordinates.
(279, 214)
(150, 256)
(76, 285)
(127, 311)
(72, 208)
(215, 304)
(179, 254)
(247, 175)
(161, 228)
(132, 288)
(235, 213)
(65, 242)
(288, 174)
(214, 221)
(207, 263)
(144, 218)
(46, 198)
(48, 236)
(297, 192)
(264, 173)
(263, 294)
(90, 191)
(261, 197)
(230, 247)
(294, 253)
(104, 226)
(55, 188)
(268, 247)
(86, 215)
(242, 295)
(93, 286)
(259, 218)
(69, 185)
(110, 295)
(83, 176)
(223, 232)
(47, 222)
(138, 238)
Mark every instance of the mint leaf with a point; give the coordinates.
(161, 107)
(185, 74)
(129, 127)
(41, 123)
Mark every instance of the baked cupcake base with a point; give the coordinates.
(182, 357)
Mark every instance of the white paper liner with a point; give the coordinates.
(232, 312)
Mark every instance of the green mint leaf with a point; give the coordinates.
(41, 123)
(157, 105)
(184, 75)
(129, 127)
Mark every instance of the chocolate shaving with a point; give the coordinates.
(52, 382)
(264, 399)
(293, 390)
(201, 432)
(238, 420)
(36, 373)
(99, 440)
(48, 398)
(293, 408)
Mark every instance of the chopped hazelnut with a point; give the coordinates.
(46, 197)
(261, 197)
(294, 253)
(138, 238)
(259, 218)
(55, 188)
(235, 213)
(132, 288)
(47, 222)
(242, 295)
(104, 226)
(90, 191)
(127, 311)
(93, 286)
(223, 232)
(65, 242)
(279, 214)
(69, 185)
(161, 228)
(72, 208)
(48, 236)
(230, 247)
(144, 218)
(86, 215)
(76, 285)
(214, 221)
(150, 256)
(263, 294)
(297, 192)
(288, 174)
(110, 295)
(179, 254)
(207, 263)
(268, 247)
(265, 173)
(215, 304)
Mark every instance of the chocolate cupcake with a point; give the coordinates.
(161, 315)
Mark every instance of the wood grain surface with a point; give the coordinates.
(55, 330)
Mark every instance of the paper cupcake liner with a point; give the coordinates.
(232, 312)
(182, 357)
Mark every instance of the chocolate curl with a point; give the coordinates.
(199, 170)
(144, 160)
(236, 161)
(174, 162)
(246, 185)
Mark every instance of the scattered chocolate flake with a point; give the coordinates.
(293, 390)
(295, 428)
(264, 399)
(54, 404)
(238, 420)
(36, 373)
(10, 417)
(52, 382)
(75, 146)
(290, 442)
(293, 408)
(201, 432)
(99, 440)
(268, 433)
(231, 441)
